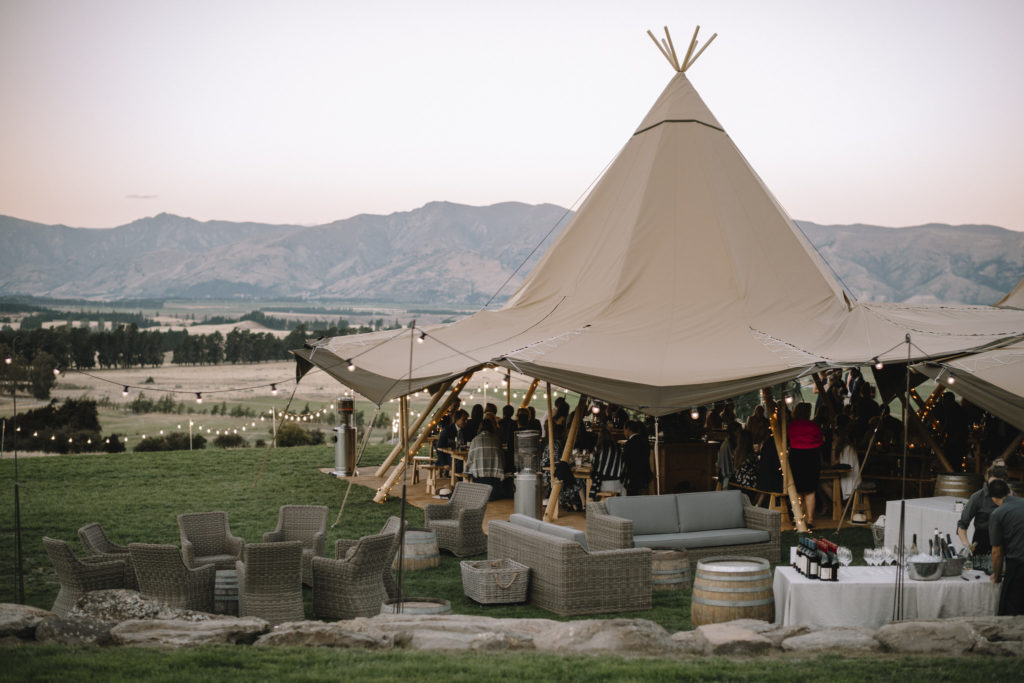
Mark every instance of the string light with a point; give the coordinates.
(8, 360)
(694, 413)
(788, 399)
(199, 397)
(423, 335)
(878, 364)
(124, 392)
(950, 379)
(56, 372)
(351, 365)
(273, 390)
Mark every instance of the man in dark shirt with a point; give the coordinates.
(1006, 531)
(449, 437)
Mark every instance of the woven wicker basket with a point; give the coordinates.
(495, 581)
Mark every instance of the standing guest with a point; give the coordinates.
(979, 508)
(1006, 529)
(506, 434)
(608, 465)
(534, 422)
(805, 442)
(757, 424)
(492, 409)
(486, 460)
(636, 456)
(450, 437)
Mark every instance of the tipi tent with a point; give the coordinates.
(679, 281)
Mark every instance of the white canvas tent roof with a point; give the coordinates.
(680, 280)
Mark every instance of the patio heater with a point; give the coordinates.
(528, 496)
(345, 448)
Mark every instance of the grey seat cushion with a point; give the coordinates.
(222, 561)
(709, 510)
(650, 514)
(702, 539)
(524, 521)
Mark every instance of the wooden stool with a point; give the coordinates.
(861, 501)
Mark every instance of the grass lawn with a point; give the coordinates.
(138, 496)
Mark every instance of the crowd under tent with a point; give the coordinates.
(680, 281)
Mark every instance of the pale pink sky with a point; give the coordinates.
(891, 113)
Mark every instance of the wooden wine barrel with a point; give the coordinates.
(420, 550)
(727, 588)
(958, 485)
(417, 606)
(670, 569)
(225, 592)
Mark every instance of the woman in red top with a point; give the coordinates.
(805, 442)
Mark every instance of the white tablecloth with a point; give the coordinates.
(923, 516)
(863, 596)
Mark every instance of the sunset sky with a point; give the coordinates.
(881, 112)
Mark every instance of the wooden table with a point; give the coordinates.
(457, 455)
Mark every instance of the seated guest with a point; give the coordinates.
(450, 437)
(486, 461)
(608, 465)
(476, 415)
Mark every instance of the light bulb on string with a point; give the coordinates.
(694, 413)
(950, 379)
(878, 364)
(351, 365)
(199, 397)
(788, 399)
(273, 390)
(56, 372)
(423, 336)
(124, 391)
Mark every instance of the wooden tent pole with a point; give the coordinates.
(700, 52)
(385, 489)
(693, 44)
(508, 387)
(383, 468)
(528, 396)
(570, 441)
(672, 49)
(929, 439)
(779, 430)
(1008, 451)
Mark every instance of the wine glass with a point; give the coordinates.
(887, 555)
(869, 557)
(845, 555)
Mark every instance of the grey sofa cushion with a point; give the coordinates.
(709, 510)
(524, 521)
(650, 514)
(543, 527)
(702, 539)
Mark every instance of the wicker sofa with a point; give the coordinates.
(565, 577)
(706, 523)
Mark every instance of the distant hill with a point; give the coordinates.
(443, 254)
(934, 263)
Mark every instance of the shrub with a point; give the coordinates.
(230, 441)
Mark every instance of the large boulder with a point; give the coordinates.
(320, 634)
(729, 639)
(608, 636)
(20, 620)
(932, 636)
(833, 639)
(773, 632)
(176, 633)
(74, 630)
(997, 628)
(453, 631)
(118, 604)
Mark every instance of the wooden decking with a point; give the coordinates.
(416, 494)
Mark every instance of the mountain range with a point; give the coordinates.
(444, 254)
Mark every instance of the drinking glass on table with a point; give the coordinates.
(887, 555)
(845, 555)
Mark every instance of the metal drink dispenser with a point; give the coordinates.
(345, 448)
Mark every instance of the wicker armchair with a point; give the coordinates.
(390, 528)
(459, 523)
(163, 576)
(270, 582)
(568, 580)
(306, 523)
(78, 576)
(206, 539)
(352, 586)
(99, 544)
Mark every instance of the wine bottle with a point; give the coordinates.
(938, 549)
(931, 547)
(814, 566)
(835, 561)
(949, 542)
(913, 546)
(944, 551)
